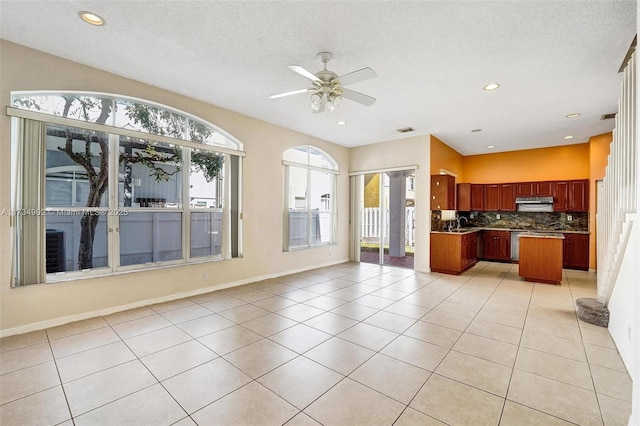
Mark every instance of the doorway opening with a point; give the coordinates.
(387, 218)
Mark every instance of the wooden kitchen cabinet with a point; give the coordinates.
(469, 249)
(561, 196)
(497, 245)
(579, 195)
(568, 196)
(443, 192)
(500, 197)
(452, 253)
(463, 197)
(525, 189)
(544, 189)
(534, 189)
(470, 197)
(541, 258)
(508, 197)
(492, 197)
(571, 196)
(575, 251)
(477, 197)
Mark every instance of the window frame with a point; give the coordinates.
(331, 168)
(231, 244)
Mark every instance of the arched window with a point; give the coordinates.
(310, 187)
(106, 183)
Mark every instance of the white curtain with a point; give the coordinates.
(29, 202)
(355, 208)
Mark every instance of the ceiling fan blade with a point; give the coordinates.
(292, 92)
(358, 97)
(304, 72)
(356, 76)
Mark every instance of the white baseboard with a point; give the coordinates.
(41, 325)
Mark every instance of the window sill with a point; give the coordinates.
(63, 277)
(316, 246)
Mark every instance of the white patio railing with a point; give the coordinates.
(371, 224)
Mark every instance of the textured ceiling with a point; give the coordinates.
(552, 58)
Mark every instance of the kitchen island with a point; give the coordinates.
(453, 252)
(541, 257)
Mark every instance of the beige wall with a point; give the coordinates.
(403, 153)
(263, 185)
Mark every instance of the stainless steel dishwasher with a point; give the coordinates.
(515, 245)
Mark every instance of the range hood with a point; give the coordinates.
(534, 204)
(534, 200)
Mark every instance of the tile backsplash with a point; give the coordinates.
(518, 220)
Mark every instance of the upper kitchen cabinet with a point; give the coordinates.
(477, 197)
(579, 195)
(443, 192)
(525, 189)
(571, 196)
(470, 197)
(492, 197)
(508, 197)
(464, 197)
(500, 197)
(561, 196)
(534, 189)
(543, 189)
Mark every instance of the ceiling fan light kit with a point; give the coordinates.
(328, 90)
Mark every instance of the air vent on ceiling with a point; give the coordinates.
(405, 129)
(608, 116)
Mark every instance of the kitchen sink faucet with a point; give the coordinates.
(458, 219)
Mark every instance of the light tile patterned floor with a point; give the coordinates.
(344, 345)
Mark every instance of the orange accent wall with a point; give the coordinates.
(556, 163)
(599, 147)
(445, 157)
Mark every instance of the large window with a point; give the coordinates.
(105, 184)
(310, 198)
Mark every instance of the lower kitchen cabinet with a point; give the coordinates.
(469, 252)
(497, 245)
(452, 253)
(575, 251)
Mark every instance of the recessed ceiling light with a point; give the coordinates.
(491, 86)
(574, 115)
(341, 123)
(476, 130)
(491, 146)
(568, 137)
(91, 18)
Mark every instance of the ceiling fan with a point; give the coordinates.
(328, 88)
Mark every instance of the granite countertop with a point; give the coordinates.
(558, 233)
(462, 231)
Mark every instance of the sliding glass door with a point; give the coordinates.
(385, 217)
